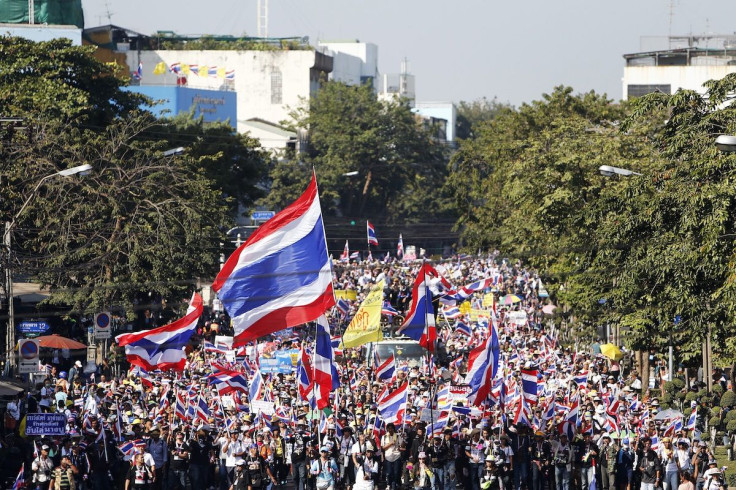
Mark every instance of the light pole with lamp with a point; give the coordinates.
(7, 242)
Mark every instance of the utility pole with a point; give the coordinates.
(10, 332)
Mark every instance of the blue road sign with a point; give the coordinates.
(262, 215)
(45, 424)
(33, 327)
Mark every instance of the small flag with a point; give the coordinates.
(230, 75)
(400, 247)
(20, 479)
(372, 239)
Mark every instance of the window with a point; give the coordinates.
(639, 90)
(276, 87)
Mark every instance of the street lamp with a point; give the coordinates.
(350, 174)
(7, 241)
(726, 143)
(609, 171)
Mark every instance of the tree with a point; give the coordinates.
(471, 115)
(234, 162)
(141, 224)
(398, 164)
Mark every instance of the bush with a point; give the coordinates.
(702, 393)
(687, 411)
(728, 399)
(679, 383)
(715, 411)
(718, 389)
(714, 422)
(691, 396)
(731, 415)
(731, 425)
(680, 395)
(669, 387)
(667, 398)
(705, 436)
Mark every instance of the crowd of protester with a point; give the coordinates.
(589, 426)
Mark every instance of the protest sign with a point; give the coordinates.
(45, 424)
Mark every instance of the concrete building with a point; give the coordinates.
(269, 84)
(442, 118)
(398, 85)
(666, 64)
(40, 32)
(354, 62)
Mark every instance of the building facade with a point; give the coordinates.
(354, 62)
(678, 62)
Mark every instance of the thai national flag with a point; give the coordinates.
(343, 307)
(212, 71)
(326, 376)
(345, 252)
(387, 369)
(372, 239)
(464, 329)
(393, 405)
(304, 375)
(203, 411)
(444, 399)
(175, 67)
(521, 413)
(439, 425)
(400, 248)
(217, 349)
(529, 385)
(655, 443)
(451, 312)
(282, 275)
(691, 421)
(20, 479)
(163, 347)
(140, 373)
(180, 408)
(194, 69)
(138, 74)
(482, 367)
(256, 386)
(355, 255)
(581, 380)
(419, 323)
(388, 310)
(230, 75)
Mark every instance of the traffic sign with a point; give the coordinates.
(262, 215)
(33, 328)
(102, 325)
(28, 356)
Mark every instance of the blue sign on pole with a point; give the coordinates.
(282, 362)
(33, 327)
(45, 424)
(262, 215)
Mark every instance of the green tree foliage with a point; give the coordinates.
(470, 115)
(400, 166)
(234, 162)
(142, 222)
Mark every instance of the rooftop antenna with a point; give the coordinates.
(262, 16)
(672, 16)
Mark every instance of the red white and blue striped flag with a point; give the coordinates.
(372, 239)
(281, 276)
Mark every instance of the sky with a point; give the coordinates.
(457, 49)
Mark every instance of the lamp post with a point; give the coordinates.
(7, 242)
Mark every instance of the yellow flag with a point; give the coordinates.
(160, 68)
(366, 324)
(185, 68)
(203, 71)
(465, 308)
(221, 72)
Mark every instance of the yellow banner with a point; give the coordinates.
(475, 314)
(366, 324)
(349, 294)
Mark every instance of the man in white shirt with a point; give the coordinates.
(392, 455)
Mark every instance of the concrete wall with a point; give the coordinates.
(354, 63)
(686, 77)
(40, 32)
(254, 72)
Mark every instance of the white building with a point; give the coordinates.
(269, 83)
(398, 85)
(667, 64)
(355, 63)
(440, 111)
(42, 32)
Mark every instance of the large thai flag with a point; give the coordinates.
(326, 376)
(419, 323)
(345, 252)
(463, 328)
(304, 375)
(393, 405)
(482, 368)
(281, 276)
(163, 347)
(529, 385)
(256, 386)
(691, 421)
(386, 370)
(372, 239)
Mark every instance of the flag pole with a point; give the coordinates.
(314, 384)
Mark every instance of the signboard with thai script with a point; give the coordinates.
(45, 424)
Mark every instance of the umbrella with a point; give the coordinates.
(510, 299)
(668, 414)
(7, 389)
(549, 309)
(58, 342)
(612, 352)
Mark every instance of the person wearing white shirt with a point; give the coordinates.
(234, 450)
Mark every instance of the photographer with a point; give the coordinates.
(714, 479)
(62, 477)
(42, 467)
(700, 464)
